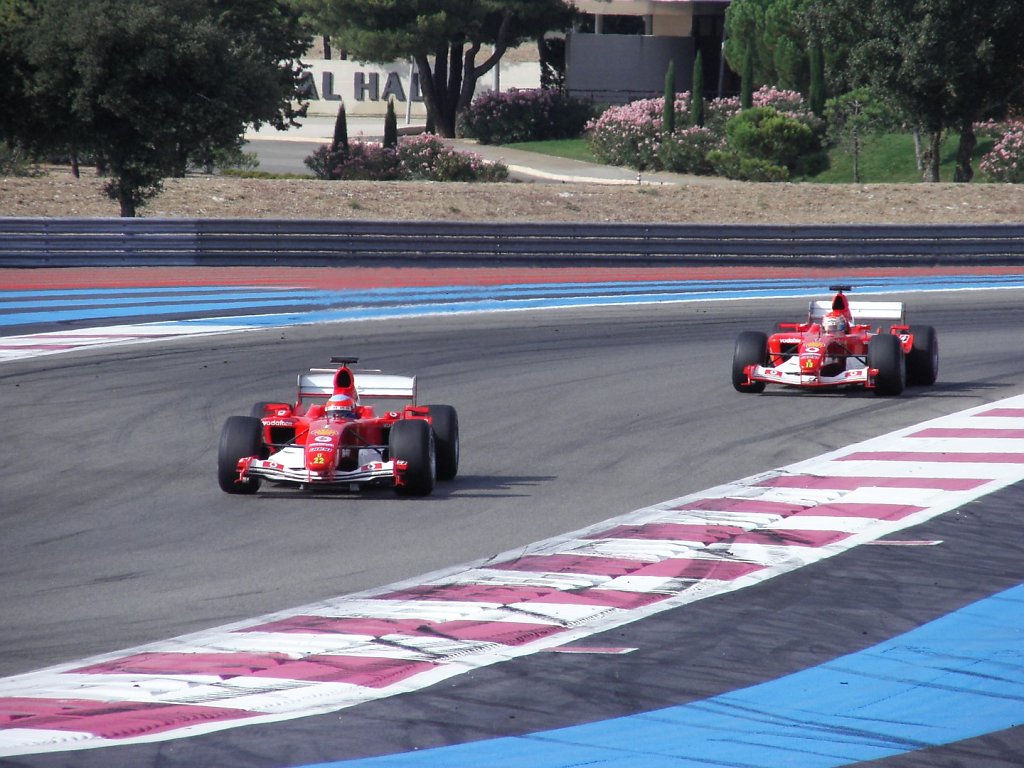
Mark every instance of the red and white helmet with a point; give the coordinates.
(341, 407)
(835, 322)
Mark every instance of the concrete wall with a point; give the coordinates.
(616, 69)
(366, 88)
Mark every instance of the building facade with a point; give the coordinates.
(622, 48)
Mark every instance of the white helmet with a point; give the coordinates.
(835, 323)
(340, 407)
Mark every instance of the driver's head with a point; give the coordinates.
(835, 323)
(340, 407)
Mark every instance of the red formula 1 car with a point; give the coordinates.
(838, 345)
(333, 437)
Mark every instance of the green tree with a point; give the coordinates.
(697, 92)
(668, 108)
(150, 86)
(853, 117)
(776, 36)
(945, 63)
(443, 37)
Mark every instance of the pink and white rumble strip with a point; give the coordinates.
(352, 649)
(54, 342)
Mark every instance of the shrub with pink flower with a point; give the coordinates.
(789, 103)
(427, 157)
(717, 113)
(631, 134)
(524, 114)
(1005, 163)
(423, 157)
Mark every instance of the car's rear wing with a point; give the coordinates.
(318, 383)
(863, 312)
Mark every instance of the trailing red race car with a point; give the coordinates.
(838, 345)
(333, 436)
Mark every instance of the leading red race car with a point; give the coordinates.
(838, 345)
(332, 437)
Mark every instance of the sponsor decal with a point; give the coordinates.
(324, 432)
(325, 438)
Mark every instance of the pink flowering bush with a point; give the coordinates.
(717, 113)
(524, 115)
(368, 161)
(631, 134)
(425, 157)
(790, 103)
(1005, 163)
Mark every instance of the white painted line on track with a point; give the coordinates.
(352, 649)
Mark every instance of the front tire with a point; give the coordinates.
(923, 360)
(886, 354)
(412, 441)
(751, 349)
(445, 423)
(241, 437)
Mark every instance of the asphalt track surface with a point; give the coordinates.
(114, 533)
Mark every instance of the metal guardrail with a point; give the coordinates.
(39, 242)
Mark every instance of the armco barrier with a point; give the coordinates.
(38, 242)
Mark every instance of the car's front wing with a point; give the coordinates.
(278, 468)
(854, 376)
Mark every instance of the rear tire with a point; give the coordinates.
(445, 422)
(923, 360)
(412, 441)
(886, 354)
(241, 437)
(751, 349)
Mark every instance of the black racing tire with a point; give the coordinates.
(242, 436)
(886, 354)
(923, 359)
(751, 349)
(412, 441)
(445, 423)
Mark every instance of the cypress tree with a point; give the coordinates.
(340, 142)
(747, 79)
(697, 101)
(668, 111)
(390, 126)
(816, 97)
